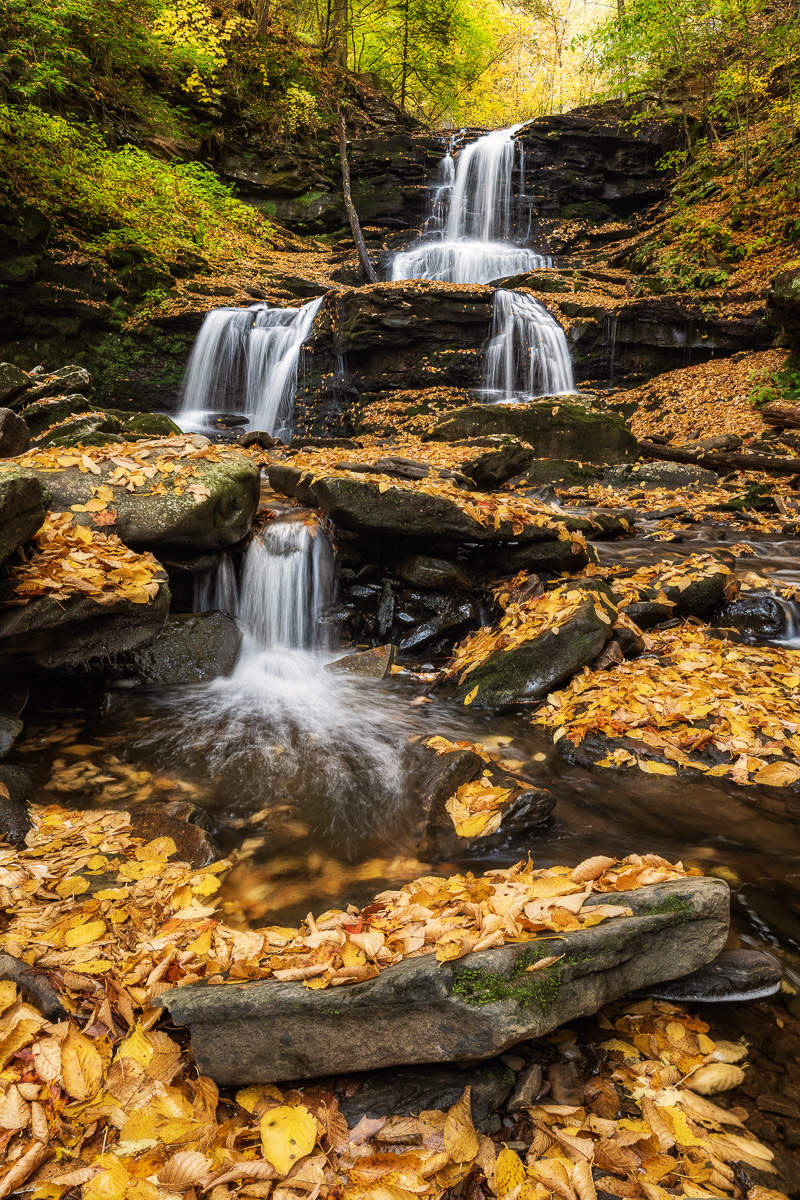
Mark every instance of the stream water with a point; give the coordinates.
(315, 776)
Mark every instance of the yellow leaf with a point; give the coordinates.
(714, 1077)
(460, 1138)
(81, 1067)
(287, 1135)
(160, 849)
(508, 1173)
(81, 935)
(778, 774)
(109, 1183)
(74, 886)
(470, 696)
(651, 767)
(251, 1097)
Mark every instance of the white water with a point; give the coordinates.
(472, 237)
(217, 588)
(790, 636)
(527, 352)
(246, 361)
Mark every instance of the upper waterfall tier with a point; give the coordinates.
(473, 235)
(246, 361)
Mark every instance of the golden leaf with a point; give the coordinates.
(81, 935)
(460, 1138)
(187, 1168)
(287, 1135)
(509, 1172)
(81, 1067)
(715, 1077)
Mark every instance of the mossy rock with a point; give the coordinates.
(149, 425)
(76, 431)
(532, 669)
(556, 427)
(23, 507)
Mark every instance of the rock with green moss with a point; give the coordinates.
(148, 425)
(784, 303)
(531, 669)
(23, 507)
(475, 1007)
(201, 513)
(555, 426)
(43, 415)
(75, 431)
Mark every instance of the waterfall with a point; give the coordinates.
(790, 635)
(287, 577)
(472, 237)
(246, 360)
(217, 588)
(527, 351)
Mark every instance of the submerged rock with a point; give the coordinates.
(23, 508)
(184, 822)
(421, 1010)
(554, 426)
(427, 571)
(734, 975)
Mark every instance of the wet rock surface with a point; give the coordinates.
(15, 437)
(191, 648)
(23, 507)
(554, 426)
(424, 1011)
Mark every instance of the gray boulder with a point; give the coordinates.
(424, 1011)
(427, 571)
(16, 793)
(365, 664)
(660, 475)
(191, 648)
(555, 427)
(23, 508)
(172, 523)
(552, 556)
(42, 414)
(13, 380)
(58, 383)
(532, 669)
(78, 633)
(362, 507)
(15, 437)
(189, 827)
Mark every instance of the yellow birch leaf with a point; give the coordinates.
(470, 696)
(81, 935)
(287, 1135)
(460, 1138)
(81, 1067)
(508, 1173)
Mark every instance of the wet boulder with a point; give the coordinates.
(41, 415)
(15, 437)
(758, 615)
(191, 648)
(429, 571)
(23, 508)
(13, 380)
(365, 664)
(55, 383)
(291, 481)
(491, 466)
(530, 669)
(552, 556)
(82, 430)
(422, 1010)
(455, 618)
(554, 426)
(660, 475)
(16, 794)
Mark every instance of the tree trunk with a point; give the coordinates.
(773, 465)
(350, 208)
(261, 15)
(341, 25)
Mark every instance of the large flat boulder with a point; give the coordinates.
(422, 1010)
(23, 507)
(208, 510)
(365, 508)
(191, 648)
(553, 425)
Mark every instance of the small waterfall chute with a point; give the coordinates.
(286, 579)
(246, 360)
(217, 588)
(527, 353)
(471, 236)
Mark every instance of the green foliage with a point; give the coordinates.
(527, 988)
(781, 387)
(152, 220)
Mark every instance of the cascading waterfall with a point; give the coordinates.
(287, 577)
(217, 588)
(246, 361)
(471, 234)
(527, 352)
(790, 635)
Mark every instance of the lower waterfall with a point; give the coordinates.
(287, 578)
(527, 354)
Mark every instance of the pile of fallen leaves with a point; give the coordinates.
(691, 694)
(72, 560)
(648, 582)
(521, 622)
(106, 1101)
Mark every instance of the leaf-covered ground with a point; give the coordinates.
(107, 1101)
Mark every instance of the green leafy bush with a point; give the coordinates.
(156, 218)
